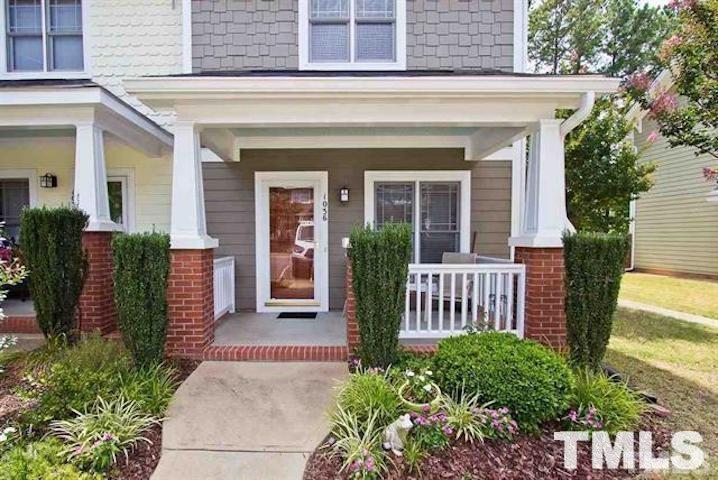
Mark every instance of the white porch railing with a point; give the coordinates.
(443, 299)
(223, 286)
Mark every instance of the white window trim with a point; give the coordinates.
(306, 64)
(462, 176)
(127, 177)
(30, 174)
(63, 74)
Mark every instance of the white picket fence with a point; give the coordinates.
(444, 299)
(223, 286)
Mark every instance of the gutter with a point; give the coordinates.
(587, 101)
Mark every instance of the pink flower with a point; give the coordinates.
(426, 408)
(652, 137)
(682, 4)
(710, 173)
(640, 81)
(665, 102)
(447, 431)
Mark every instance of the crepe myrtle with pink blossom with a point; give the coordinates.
(690, 55)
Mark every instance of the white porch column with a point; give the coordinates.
(91, 179)
(189, 227)
(544, 211)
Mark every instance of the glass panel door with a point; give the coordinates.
(14, 196)
(291, 243)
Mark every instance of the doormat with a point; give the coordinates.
(297, 315)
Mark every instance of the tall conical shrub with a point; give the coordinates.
(380, 263)
(51, 244)
(595, 263)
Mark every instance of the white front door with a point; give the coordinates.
(292, 217)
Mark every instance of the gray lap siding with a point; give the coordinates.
(229, 200)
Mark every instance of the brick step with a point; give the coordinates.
(20, 324)
(276, 353)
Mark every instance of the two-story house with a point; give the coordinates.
(293, 121)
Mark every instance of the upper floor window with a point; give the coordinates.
(352, 34)
(44, 35)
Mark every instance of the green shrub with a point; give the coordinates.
(366, 395)
(528, 378)
(151, 388)
(594, 266)
(94, 439)
(380, 262)
(141, 268)
(52, 248)
(598, 402)
(39, 460)
(92, 368)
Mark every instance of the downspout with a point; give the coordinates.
(587, 102)
(584, 110)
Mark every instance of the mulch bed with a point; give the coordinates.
(526, 458)
(142, 461)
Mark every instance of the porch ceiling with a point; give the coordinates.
(478, 143)
(57, 109)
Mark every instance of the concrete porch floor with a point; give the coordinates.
(252, 328)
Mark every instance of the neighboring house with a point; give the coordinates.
(293, 121)
(675, 225)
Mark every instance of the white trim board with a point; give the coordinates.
(25, 173)
(462, 176)
(320, 181)
(400, 43)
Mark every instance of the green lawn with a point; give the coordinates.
(699, 297)
(678, 362)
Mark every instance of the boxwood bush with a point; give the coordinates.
(142, 266)
(51, 245)
(528, 378)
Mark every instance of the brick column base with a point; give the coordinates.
(350, 307)
(545, 315)
(190, 303)
(96, 309)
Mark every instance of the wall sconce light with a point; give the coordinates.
(48, 181)
(344, 194)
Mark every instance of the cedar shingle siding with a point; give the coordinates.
(440, 34)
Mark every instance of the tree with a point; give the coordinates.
(602, 171)
(615, 37)
(548, 31)
(691, 56)
(633, 35)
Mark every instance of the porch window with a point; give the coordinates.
(14, 196)
(44, 35)
(432, 206)
(347, 34)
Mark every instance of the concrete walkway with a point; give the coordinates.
(247, 421)
(686, 317)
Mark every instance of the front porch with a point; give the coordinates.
(274, 171)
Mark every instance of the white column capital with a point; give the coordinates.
(90, 193)
(188, 225)
(544, 214)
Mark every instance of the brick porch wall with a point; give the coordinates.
(96, 309)
(190, 302)
(350, 310)
(545, 316)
